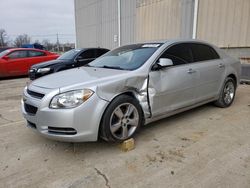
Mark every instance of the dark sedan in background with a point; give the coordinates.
(71, 59)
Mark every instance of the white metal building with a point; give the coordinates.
(110, 23)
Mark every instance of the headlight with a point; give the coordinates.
(43, 70)
(71, 99)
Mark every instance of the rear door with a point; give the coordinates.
(17, 63)
(173, 87)
(211, 70)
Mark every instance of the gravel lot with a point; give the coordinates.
(204, 147)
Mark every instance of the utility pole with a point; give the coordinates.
(57, 42)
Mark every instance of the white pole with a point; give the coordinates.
(195, 21)
(119, 22)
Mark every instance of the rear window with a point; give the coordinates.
(203, 52)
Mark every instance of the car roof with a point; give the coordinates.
(90, 48)
(172, 41)
(15, 49)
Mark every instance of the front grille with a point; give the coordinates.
(35, 94)
(30, 109)
(32, 125)
(62, 130)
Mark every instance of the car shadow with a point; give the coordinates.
(102, 146)
(13, 77)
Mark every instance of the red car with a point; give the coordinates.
(17, 61)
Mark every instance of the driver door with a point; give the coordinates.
(172, 88)
(17, 63)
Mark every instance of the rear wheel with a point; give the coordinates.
(122, 119)
(227, 93)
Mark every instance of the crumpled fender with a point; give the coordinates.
(136, 85)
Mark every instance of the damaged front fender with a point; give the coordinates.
(138, 86)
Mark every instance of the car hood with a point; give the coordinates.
(72, 78)
(48, 63)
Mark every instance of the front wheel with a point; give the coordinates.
(122, 119)
(227, 94)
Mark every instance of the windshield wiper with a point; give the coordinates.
(112, 67)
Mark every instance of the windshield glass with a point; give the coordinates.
(70, 54)
(128, 57)
(3, 53)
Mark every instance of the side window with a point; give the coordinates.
(36, 53)
(203, 52)
(88, 54)
(18, 54)
(100, 52)
(179, 54)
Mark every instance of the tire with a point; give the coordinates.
(227, 93)
(122, 119)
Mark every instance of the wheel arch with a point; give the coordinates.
(233, 76)
(128, 93)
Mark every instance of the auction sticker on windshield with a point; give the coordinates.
(151, 45)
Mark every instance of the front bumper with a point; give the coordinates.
(84, 119)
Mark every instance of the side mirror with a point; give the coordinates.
(165, 62)
(162, 63)
(78, 59)
(6, 58)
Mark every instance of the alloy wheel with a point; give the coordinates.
(228, 93)
(124, 121)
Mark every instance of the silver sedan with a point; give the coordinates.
(133, 85)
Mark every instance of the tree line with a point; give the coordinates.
(22, 39)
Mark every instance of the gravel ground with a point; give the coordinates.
(203, 147)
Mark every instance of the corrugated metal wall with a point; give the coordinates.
(158, 19)
(224, 22)
(96, 23)
(128, 21)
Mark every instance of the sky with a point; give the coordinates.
(40, 19)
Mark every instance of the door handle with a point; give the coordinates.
(191, 71)
(221, 65)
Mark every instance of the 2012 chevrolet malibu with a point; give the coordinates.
(113, 96)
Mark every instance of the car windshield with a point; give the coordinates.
(3, 53)
(128, 57)
(69, 55)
